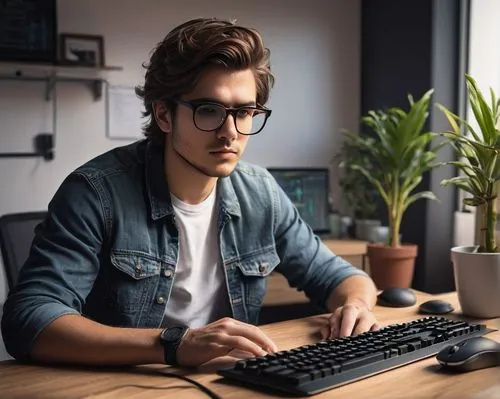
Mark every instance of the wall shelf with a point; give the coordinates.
(52, 74)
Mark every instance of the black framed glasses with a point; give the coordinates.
(210, 116)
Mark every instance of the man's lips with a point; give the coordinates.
(224, 151)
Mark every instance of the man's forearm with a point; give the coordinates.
(75, 339)
(357, 290)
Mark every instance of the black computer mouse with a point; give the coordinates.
(470, 354)
(396, 297)
(435, 306)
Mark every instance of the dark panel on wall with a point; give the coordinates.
(396, 51)
(435, 272)
(409, 47)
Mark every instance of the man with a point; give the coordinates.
(158, 252)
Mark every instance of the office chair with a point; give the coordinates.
(16, 235)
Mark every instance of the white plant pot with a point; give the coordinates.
(477, 280)
(364, 227)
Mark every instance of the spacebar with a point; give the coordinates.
(361, 361)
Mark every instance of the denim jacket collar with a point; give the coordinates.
(158, 193)
(228, 201)
(156, 186)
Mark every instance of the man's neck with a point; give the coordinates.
(193, 193)
(186, 183)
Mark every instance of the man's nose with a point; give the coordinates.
(228, 129)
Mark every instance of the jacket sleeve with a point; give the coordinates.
(306, 262)
(61, 267)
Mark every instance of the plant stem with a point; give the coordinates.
(396, 212)
(491, 245)
(395, 216)
(481, 226)
(399, 217)
(391, 228)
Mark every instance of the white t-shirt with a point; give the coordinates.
(199, 292)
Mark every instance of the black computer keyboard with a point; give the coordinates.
(311, 369)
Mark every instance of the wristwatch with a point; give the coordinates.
(170, 338)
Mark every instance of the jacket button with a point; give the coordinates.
(138, 269)
(262, 268)
(160, 300)
(167, 273)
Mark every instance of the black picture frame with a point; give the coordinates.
(81, 50)
(28, 31)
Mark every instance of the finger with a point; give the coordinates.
(250, 332)
(335, 323)
(240, 354)
(365, 323)
(259, 337)
(240, 343)
(349, 317)
(376, 327)
(325, 332)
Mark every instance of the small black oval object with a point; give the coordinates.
(435, 306)
(470, 354)
(396, 297)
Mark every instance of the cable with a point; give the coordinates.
(201, 387)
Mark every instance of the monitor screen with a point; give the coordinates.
(308, 189)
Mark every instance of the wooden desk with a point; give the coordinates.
(346, 247)
(353, 251)
(423, 379)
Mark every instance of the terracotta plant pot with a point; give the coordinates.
(392, 267)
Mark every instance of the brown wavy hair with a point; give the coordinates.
(178, 62)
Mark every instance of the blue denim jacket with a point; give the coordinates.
(108, 248)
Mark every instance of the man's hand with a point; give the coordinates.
(221, 337)
(350, 319)
(350, 303)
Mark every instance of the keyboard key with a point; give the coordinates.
(273, 369)
(298, 378)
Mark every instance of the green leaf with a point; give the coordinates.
(373, 181)
(475, 201)
(415, 197)
(461, 182)
(453, 119)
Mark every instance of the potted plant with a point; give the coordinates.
(357, 192)
(477, 268)
(399, 148)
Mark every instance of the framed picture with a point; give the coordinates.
(28, 31)
(83, 50)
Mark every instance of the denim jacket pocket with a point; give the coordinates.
(260, 264)
(132, 282)
(136, 264)
(254, 269)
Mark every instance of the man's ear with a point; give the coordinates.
(163, 116)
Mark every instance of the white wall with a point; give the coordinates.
(484, 53)
(315, 49)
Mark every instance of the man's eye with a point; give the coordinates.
(244, 112)
(208, 110)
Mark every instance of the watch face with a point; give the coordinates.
(172, 334)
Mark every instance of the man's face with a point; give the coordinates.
(213, 153)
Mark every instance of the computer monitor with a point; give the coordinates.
(308, 189)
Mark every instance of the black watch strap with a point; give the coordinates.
(170, 338)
